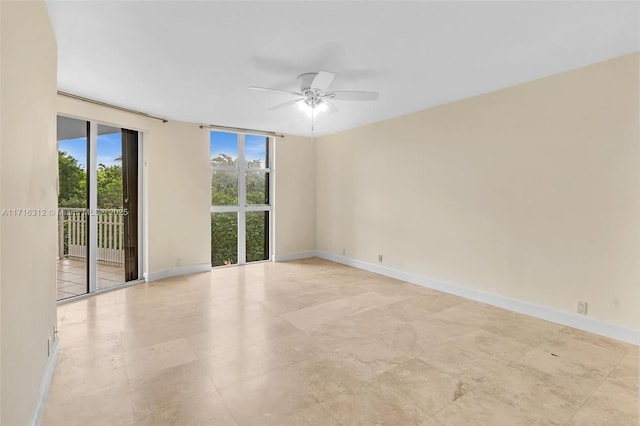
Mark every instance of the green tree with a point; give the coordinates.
(72, 182)
(257, 228)
(109, 186)
(224, 239)
(224, 183)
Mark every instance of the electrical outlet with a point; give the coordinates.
(344, 251)
(379, 258)
(581, 307)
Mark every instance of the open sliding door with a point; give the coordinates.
(130, 201)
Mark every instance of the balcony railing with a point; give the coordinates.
(72, 235)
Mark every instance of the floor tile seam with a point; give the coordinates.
(73, 280)
(478, 353)
(86, 347)
(66, 292)
(620, 352)
(367, 382)
(616, 367)
(226, 403)
(275, 369)
(250, 343)
(330, 302)
(397, 395)
(278, 366)
(512, 363)
(67, 284)
(537, 341)
(333, 416)
(471, 349)
(456, 376)
(472, 383)
(70, 397)
(538, 346)
(74, 274)
(152, 373)
(505, 403)
(368, 309)
(297, 363)
(454, 402)
(214, 387)
(329, 413)
(594, 390)
(562, 397)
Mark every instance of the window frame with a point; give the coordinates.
(242, 207)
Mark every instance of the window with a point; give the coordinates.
(240, 198)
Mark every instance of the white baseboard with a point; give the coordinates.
(177, 271)
(294, 256)
(570, 319)
(45, 383)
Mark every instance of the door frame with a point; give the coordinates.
(92, 195)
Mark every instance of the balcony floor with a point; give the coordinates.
(72, 277)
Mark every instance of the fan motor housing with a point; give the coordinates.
(305, 80)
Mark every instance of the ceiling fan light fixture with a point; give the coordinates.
(321, 106)
(311, 106)
(314, 97)
(304, 106)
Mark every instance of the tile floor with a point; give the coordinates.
(316, 343)
(72, 277)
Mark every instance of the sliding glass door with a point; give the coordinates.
(98, 207)
(240, 198)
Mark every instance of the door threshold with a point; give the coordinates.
(99, 292)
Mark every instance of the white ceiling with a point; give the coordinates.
(193, 61)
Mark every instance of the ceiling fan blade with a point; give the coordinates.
(353, 96)
(285, 104)
(268, 89)
(322, 81)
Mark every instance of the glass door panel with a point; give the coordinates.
(109, 217)
(130, 212)
(73, 202)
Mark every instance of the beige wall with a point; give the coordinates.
(28, 169)
(295, 198)
(179, 198)
(176, 184)
(529, 192)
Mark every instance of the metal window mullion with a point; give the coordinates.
(271, 166)
(258, 208)
(141, 207)
(93, 206)
(242, 202)
(224, 209)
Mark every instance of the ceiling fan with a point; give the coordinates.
(313, 94)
